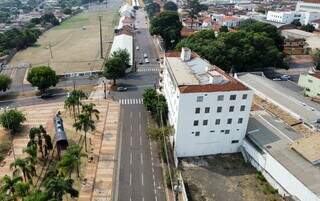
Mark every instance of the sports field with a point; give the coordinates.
(75, 44)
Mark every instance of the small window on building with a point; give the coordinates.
(231, 108)
(197, 110)
(217, 121)
(242, 108)
(199, 98)
(229, 121)
(195, 122)
(197, 133)
(222, 131)
(206, 109)
(227, 132)
(244, 96)
(212, 131)
(219, 109)
(233, 97)
(205, 122)
(234, 141)
(240, 120)
(220, 98)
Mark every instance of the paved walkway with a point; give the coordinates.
(100, 172)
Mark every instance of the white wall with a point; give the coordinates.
(277, 175)
(310, 7)
(211, 139)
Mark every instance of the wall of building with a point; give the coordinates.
(277, 175)
(309, 7)
(212, 138)
(310, 84)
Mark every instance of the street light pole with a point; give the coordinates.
(101, 48)
(105, 90)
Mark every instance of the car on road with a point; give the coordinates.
(140, 62)
(146, 61)
(145, 55)
(46, 95)
(137, 48)
(285, 77)
(122, 89)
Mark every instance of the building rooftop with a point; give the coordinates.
(290, 101)
(194, 74)
(275, 138)
(296, 33)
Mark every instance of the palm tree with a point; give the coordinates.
(22, 165)
(79, 95)
(90, 110)
(8, 184)
(70, 161)
(31, 158)
(70, 104)
(57, 187)
(84, 123)
(47, 144)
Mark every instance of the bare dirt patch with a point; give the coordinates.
(225, 177)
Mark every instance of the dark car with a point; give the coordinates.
(122, 89)
(46, 95)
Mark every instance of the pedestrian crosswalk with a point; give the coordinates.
(131, 101)
(148, 69)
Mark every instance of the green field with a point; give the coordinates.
(75, 44)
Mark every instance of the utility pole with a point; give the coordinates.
(50, 51)
(101, 47)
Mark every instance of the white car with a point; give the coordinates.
(145, 55)
(285, 77)
(146, 61)
(137, 48)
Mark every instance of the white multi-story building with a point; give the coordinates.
(208, 109)
(308, 6)
(289, 16)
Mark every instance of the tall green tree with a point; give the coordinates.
(194, 8)
(5, 82)
(167, 24)
(12, 120)
(71, 161)
(8, 184)
(116, 65)
(58, 186)
(170, 6)
(23, 166)
(90, 110)
(308, 28)
(85, 124)
(42, 77)
(152, 9)
(267, 29)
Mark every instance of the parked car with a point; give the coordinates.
(137, 48)
(140, 62)
(122, 89)
(145, 55)
(146, 61)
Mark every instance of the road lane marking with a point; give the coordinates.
(140, 128)
(139, 115)
(140, 141)
(156, 198)
(142, 182)
(141, 158)
(130, 114)
(130, 182)
(131, 128)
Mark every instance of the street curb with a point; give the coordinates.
(116, 169)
